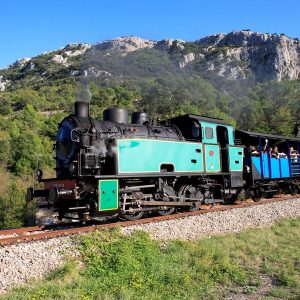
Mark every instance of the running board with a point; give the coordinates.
(171, 203)
(166, 203)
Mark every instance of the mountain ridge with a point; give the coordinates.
(237, 55)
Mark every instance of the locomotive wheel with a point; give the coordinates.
(189, 191)
(133, 216)
(168, 192)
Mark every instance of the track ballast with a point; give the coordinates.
(27, 234)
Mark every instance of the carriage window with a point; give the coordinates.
(209, 133)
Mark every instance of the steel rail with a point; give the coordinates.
(27, 230)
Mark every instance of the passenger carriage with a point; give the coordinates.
(264, 173)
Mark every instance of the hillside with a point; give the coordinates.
(249, 79)
(247, 71)
(238, 55)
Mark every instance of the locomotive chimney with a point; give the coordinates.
(82, 109)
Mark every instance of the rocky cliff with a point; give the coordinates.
(266, 56)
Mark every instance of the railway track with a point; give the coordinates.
(27, 234)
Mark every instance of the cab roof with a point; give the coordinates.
(202, 119)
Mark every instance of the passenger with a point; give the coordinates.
(294, 155)
(270, 151)
(254, 151)
(250, 149)
(294, 152)
(274, 152)
(282, 155)
(266, 150)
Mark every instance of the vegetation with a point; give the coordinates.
(29, 117)
(136, 267)
(42, 91)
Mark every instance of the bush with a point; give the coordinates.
(12, 206)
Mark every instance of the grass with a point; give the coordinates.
(117, 267)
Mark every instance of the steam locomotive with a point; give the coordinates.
(113, 167)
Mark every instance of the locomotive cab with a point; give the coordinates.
(222, 155)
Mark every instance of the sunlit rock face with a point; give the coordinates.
(3, 83)
(267, 56)
(125, 44)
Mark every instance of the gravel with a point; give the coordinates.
(22, 262)
(218, 223)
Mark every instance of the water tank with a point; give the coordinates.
(139, 118)
(116, 115)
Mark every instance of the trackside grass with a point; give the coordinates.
(113, 266)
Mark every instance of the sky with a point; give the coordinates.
(30, 27)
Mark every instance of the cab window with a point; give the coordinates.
(196, 130)
(209, 133)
